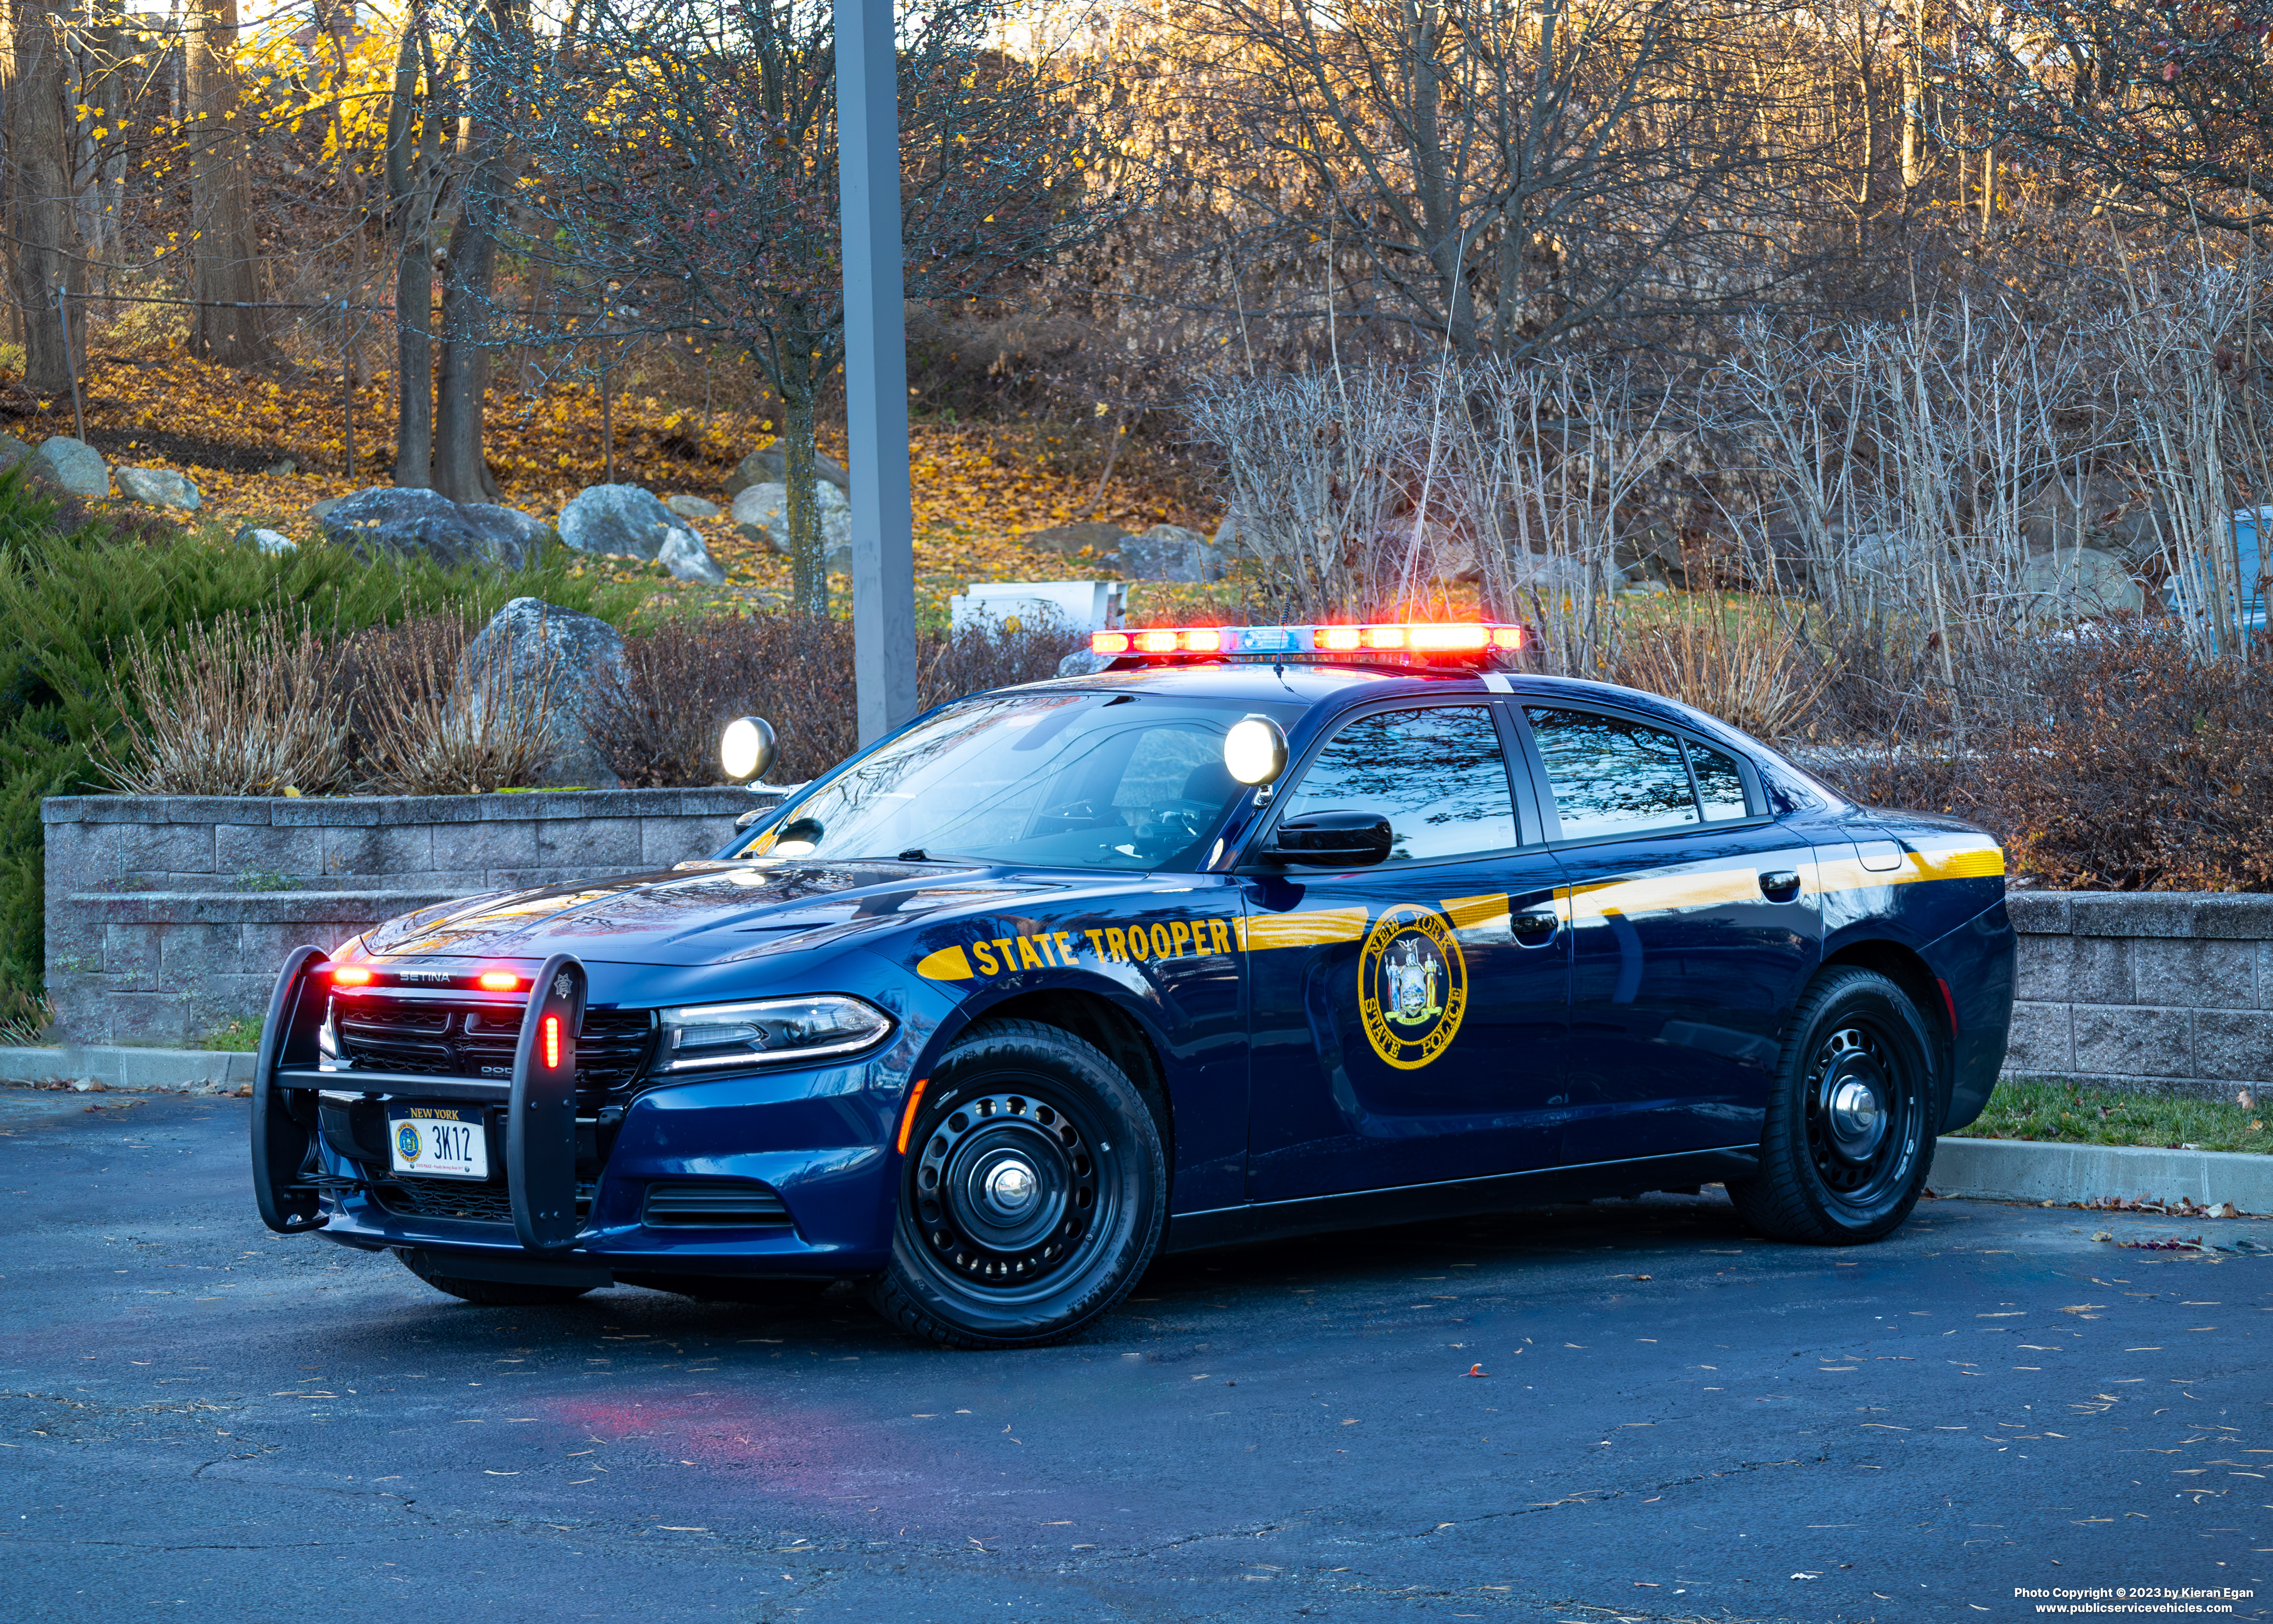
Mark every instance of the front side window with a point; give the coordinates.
(1437, 774)
(1090, 780)
(1612, 776)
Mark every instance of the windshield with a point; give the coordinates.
(1086, 780)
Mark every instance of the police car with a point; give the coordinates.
(1256, 932)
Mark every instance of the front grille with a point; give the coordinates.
(717, 1204)
(436, 1038)
(448, 1197)
(487, 1201)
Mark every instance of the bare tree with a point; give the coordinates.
(225, 248)
(1498, 176)
(415, 180)
(2163, 110)
(41, 207)
(689, 164)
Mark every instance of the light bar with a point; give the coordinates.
(1418, 637)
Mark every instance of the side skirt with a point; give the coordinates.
(1368, 1209)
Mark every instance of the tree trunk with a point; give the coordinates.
(222, 243)
(808, 547)
(39, 204)
(413, 151)
(460, 472)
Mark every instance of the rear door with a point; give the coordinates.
(1406, 1020)
(1692, 932)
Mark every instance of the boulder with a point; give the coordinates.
(691, 507)
(2079, 584)
(1169, 552)
(1070, 539)
(274, 543)
(771, 467)
(1545, 572)
(2101, 511)
(383, 519)
(71, 466)
(622, 520)
(159, 487)
(685, 556)
(12, 452)
(317, 510)
(1083, 663)
(766, 507)
(764, 538)
(526, 641)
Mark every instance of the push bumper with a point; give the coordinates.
(813, 1143)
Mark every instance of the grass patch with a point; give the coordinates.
(2066, 1114)
(236, 1037)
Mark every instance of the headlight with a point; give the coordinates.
(707, 1037)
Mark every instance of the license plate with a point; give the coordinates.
(444, 1141)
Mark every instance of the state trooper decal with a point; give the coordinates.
(1413, 986)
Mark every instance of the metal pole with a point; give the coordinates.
(875, 366)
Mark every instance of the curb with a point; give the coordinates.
(2028, 1170)
(128, 1070)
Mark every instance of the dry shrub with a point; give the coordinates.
(2135, 767)
(427, 723)
(1747, 666)
(242, 705)
(658, 724)
(682, 682)
(985, 656)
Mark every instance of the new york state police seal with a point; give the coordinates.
(1413, 986)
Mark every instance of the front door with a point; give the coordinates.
(1407, 1020)
(1691, 933)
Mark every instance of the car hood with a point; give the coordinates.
(699, 914)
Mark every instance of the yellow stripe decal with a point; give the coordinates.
(949, 964)
(1465, 912)
(1316, 927)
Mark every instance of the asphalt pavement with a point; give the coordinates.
(1630, 1410)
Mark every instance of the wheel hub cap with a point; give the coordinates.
(1859, 1121)
(1011, 1186)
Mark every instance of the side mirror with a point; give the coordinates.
(1332, 840)
(746, 748)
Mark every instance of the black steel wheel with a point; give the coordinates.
(1032, 1195)
(1850, 1128)
(489, 1293)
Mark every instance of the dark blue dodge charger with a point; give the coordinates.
(1256, 932)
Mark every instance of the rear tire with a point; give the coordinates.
(1032, 1195)
(495, 1293)
(1850, 1127)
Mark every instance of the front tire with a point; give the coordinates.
(1850, 1127)
(1032, 1195)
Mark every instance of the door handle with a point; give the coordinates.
(1780, 885)
(1534, 929)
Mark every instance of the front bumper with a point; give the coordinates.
(817, 1138)
(782, 1171)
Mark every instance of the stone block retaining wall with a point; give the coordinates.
(168, 915)
(2162, 992)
